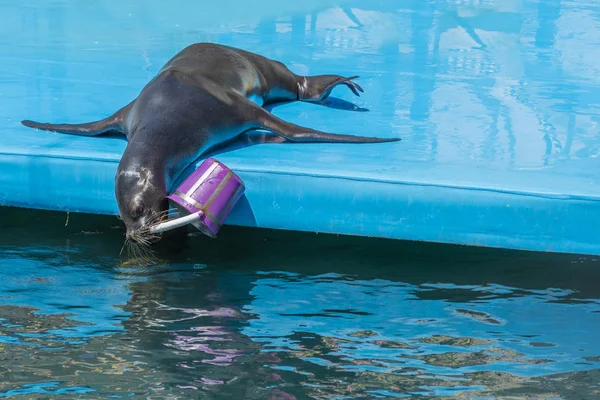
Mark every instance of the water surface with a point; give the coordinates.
(281, 315)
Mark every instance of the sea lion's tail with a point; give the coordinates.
(114, 123)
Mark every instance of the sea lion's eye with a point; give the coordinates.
(137, 211)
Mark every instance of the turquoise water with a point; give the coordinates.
(281, 315)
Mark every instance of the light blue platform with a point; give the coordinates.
(497, 103)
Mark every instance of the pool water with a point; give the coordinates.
(261, 314)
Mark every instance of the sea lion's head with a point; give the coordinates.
(142, 201)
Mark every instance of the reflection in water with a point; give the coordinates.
(260, 314)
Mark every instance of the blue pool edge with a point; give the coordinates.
(333, 204)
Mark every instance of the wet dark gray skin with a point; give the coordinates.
(205, 95)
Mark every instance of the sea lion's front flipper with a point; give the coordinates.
(295, 133)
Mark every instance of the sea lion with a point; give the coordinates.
(204, 96)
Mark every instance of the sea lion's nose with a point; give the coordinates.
(130, 233)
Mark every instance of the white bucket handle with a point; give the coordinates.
(177, 222)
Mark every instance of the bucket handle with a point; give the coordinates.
(177, 222)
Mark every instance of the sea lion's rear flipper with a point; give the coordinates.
(317, 88)
(112, 124)
(295, 133)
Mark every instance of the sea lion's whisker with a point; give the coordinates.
(141, 240)
(141, 252)
(133, 249)
(147, 231)
(157, 217)
(130, 250)
(148, 236)
(123, 247)
(145, 253)
(143, 245)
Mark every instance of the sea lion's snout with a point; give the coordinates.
(134, 236)
(142, 234)
(130, 234)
